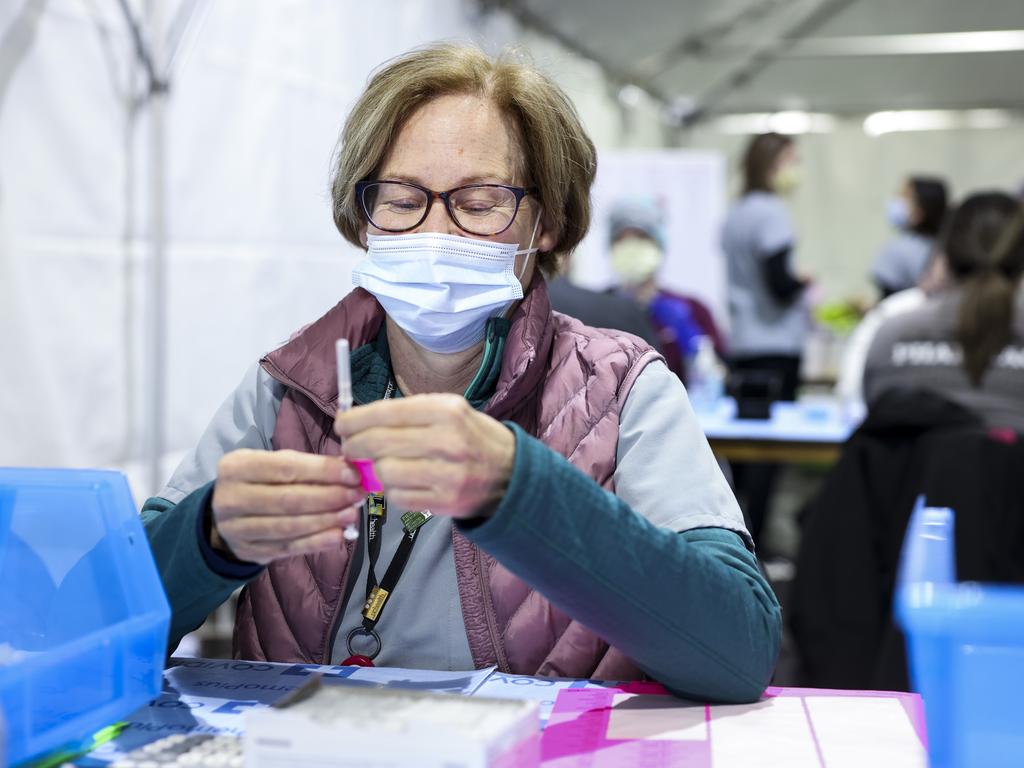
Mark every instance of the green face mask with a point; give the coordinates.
(786, 179)
(635, 259)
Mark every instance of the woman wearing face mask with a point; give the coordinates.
(769, 318)
(549, 503)
(917, 213)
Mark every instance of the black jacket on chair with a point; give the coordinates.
(911, 443)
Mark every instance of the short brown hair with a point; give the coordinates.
(557, 155)
(759, 160)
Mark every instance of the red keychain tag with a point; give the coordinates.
(357, 660)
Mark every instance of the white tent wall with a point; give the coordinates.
(61, 159)
(846, 177)
(259, 91)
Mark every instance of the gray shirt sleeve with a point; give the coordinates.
(773, 229)
(665, 469)
(246, 419)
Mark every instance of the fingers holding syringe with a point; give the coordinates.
(267, 551)
(285, 467)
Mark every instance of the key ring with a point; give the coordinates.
(361, 630)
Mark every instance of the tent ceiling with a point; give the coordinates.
(815, 70)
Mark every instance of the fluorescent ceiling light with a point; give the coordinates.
(996, 41)
(792, 122)
(935, 120)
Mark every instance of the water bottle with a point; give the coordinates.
(706, 376)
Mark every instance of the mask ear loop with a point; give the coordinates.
(530, 250)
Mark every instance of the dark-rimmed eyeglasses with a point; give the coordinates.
(479, 209)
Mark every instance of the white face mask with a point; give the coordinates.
(786, 179)
(442, 289)
(635, 259)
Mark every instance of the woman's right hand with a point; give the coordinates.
(273, 504)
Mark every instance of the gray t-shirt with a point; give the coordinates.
(901, 261)
(665, 471)
(756, 227)
(917, 349)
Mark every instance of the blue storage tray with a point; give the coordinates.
(83, 615)
(965, 646)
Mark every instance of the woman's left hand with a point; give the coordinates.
(432, 452)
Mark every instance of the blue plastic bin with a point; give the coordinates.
(965, 645)
(83, 615)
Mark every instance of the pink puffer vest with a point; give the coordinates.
(561, 381)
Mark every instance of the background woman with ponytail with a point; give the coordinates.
(966, 343)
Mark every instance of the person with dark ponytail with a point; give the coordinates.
(917, 213)
(966, 343)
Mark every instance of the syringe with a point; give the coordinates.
(341, 352)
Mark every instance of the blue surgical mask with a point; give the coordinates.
(897, 211)
(441, 289)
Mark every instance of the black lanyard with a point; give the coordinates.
(377, 594)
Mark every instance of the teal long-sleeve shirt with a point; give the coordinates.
(691, 609)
